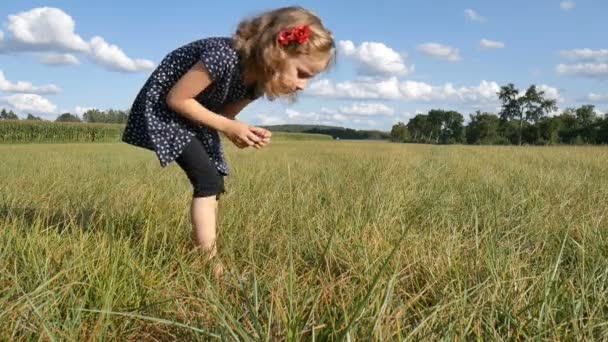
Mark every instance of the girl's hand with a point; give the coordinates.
(242, 135)
(263, 134)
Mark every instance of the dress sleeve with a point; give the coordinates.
(218, 60)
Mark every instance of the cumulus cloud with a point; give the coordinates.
(592, 70)
(47, 29)
(266, 119)
(113, 58)
(406, 90)
(30, 103)
(567, 5)
(471, 14)
(26, 87)
(44, 28)
(591, 63)
(56, 59)
(593, 97)
(586, 55)
(325, 117)
(376, 58)
(440, 51)
(357, 89)
(368, 109)
(491, 44)
(550, 92)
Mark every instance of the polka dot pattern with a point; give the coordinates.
(152, 125)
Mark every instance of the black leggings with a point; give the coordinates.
(200, 169)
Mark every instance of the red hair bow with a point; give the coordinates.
(299, 34)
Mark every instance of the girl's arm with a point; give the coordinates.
(182, 99)
(233, 109)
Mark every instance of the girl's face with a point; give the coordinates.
(299, 70)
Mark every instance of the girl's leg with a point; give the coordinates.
(207, 184)
(204, 218)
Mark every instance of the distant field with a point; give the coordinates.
(55, 132)
(320, 239)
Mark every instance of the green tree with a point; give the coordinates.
(31, 117)
(10, 115)
(602, 134)
(93, 115)
(548, 130)
(67, 117)
(419, 128)
(569, 126)
(446, 126)
(400, 133)
(586, 119)
(483, 128)
(529, 108)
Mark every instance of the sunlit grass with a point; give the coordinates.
(320, 240)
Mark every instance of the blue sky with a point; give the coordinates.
(395, 58)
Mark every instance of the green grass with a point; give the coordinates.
(320, 240)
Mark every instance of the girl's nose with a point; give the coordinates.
(301, 84)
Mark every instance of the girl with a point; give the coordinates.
(199, 89)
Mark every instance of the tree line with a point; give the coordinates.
(110, 116)
(523, 119)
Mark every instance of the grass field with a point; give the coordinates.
(321, 240)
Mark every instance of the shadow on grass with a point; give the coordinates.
(61, 220)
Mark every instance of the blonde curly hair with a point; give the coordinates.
(256, 41)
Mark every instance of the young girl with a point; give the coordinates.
(199, 89)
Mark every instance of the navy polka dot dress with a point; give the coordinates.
(152, 125)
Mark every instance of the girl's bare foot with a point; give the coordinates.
(218, 270)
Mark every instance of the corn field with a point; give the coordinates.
(13, 131)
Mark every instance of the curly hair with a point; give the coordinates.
(256, 42)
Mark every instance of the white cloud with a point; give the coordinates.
(550, 92)
(49, 29)
(1, 36)
(358, 89)
(325, 117)
(567, 5)
(471, 14)
(393, 89)
(587, 55)
(81, 110)
(26, 87)
(339, 117)
(440, 51)
(491, 44)
(59, 59)
(332, 114)
(597, 97)
(376, 58)
(30, 103)
(266, 119)
(370, 109)
(113, 58)
(45, 27)
(599, 70)
(410, 115)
